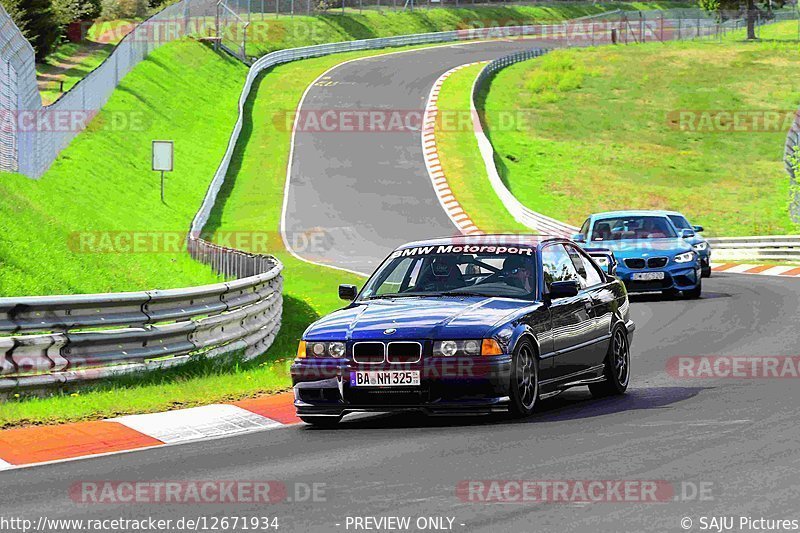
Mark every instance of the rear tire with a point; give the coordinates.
(617, 367)
(324, 422)
(524, 380)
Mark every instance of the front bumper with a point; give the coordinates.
(681, 277)
(453, 385)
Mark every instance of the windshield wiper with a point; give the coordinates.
(467, 293)
(398, 295)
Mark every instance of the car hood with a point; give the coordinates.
(638, 248)
(417, 318)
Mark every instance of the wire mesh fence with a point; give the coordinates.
(33, 135)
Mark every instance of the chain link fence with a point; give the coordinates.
(32, 136)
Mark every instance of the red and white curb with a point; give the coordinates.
(434, 166)
(761, 270)
(25, 447)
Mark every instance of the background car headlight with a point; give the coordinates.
(471, 347)
(686, 257)
(700, 246)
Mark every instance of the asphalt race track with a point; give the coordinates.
(737, 439)
(370, 192)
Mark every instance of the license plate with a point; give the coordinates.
(384, 378)
(647, 276)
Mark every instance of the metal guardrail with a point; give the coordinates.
(53, 340)
(525, 216)
(293, 54)
(772, 247)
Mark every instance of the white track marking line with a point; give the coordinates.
(287, 183)
(740, 269)
(197, 423)
(774, 271)
(4, 465)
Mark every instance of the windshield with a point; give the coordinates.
(511, 273)
(634, 227)
(680, 222)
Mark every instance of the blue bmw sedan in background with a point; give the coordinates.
(699, 244)
(467, 325)
(652, 255)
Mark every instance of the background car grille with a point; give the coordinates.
(404, 352)
(657, 262)
(634, 263)
(368, 352)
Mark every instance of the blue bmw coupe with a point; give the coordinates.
(468, 325)
(652, 254)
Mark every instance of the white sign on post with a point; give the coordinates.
(163, 156)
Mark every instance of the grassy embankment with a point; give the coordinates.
(606, 130)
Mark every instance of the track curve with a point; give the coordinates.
(370, 192)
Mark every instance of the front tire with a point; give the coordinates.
(323, 422)
(524, 380)
(617, 367)
(697, 291)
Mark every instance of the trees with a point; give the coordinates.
(38, 21)
(752, 10)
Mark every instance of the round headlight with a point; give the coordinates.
(318, 349)
(336, 349)
(472, 348)
(449, 348)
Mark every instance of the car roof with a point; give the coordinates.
(487, 240)
(630, 212)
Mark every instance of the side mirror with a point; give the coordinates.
(348, 292)
(564, 289)
(579, 238)
(687, 233)
(698, 229)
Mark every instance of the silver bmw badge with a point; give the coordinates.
(390, 331)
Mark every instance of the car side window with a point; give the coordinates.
(577, 262)
(593, 275)
(585, 228)
(557, 264)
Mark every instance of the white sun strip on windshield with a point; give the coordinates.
(465, 249)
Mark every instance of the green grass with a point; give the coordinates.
(275, 33)
(81, 67)
(602, 135)
(461, 159)
(83, 58)
(102, 183)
